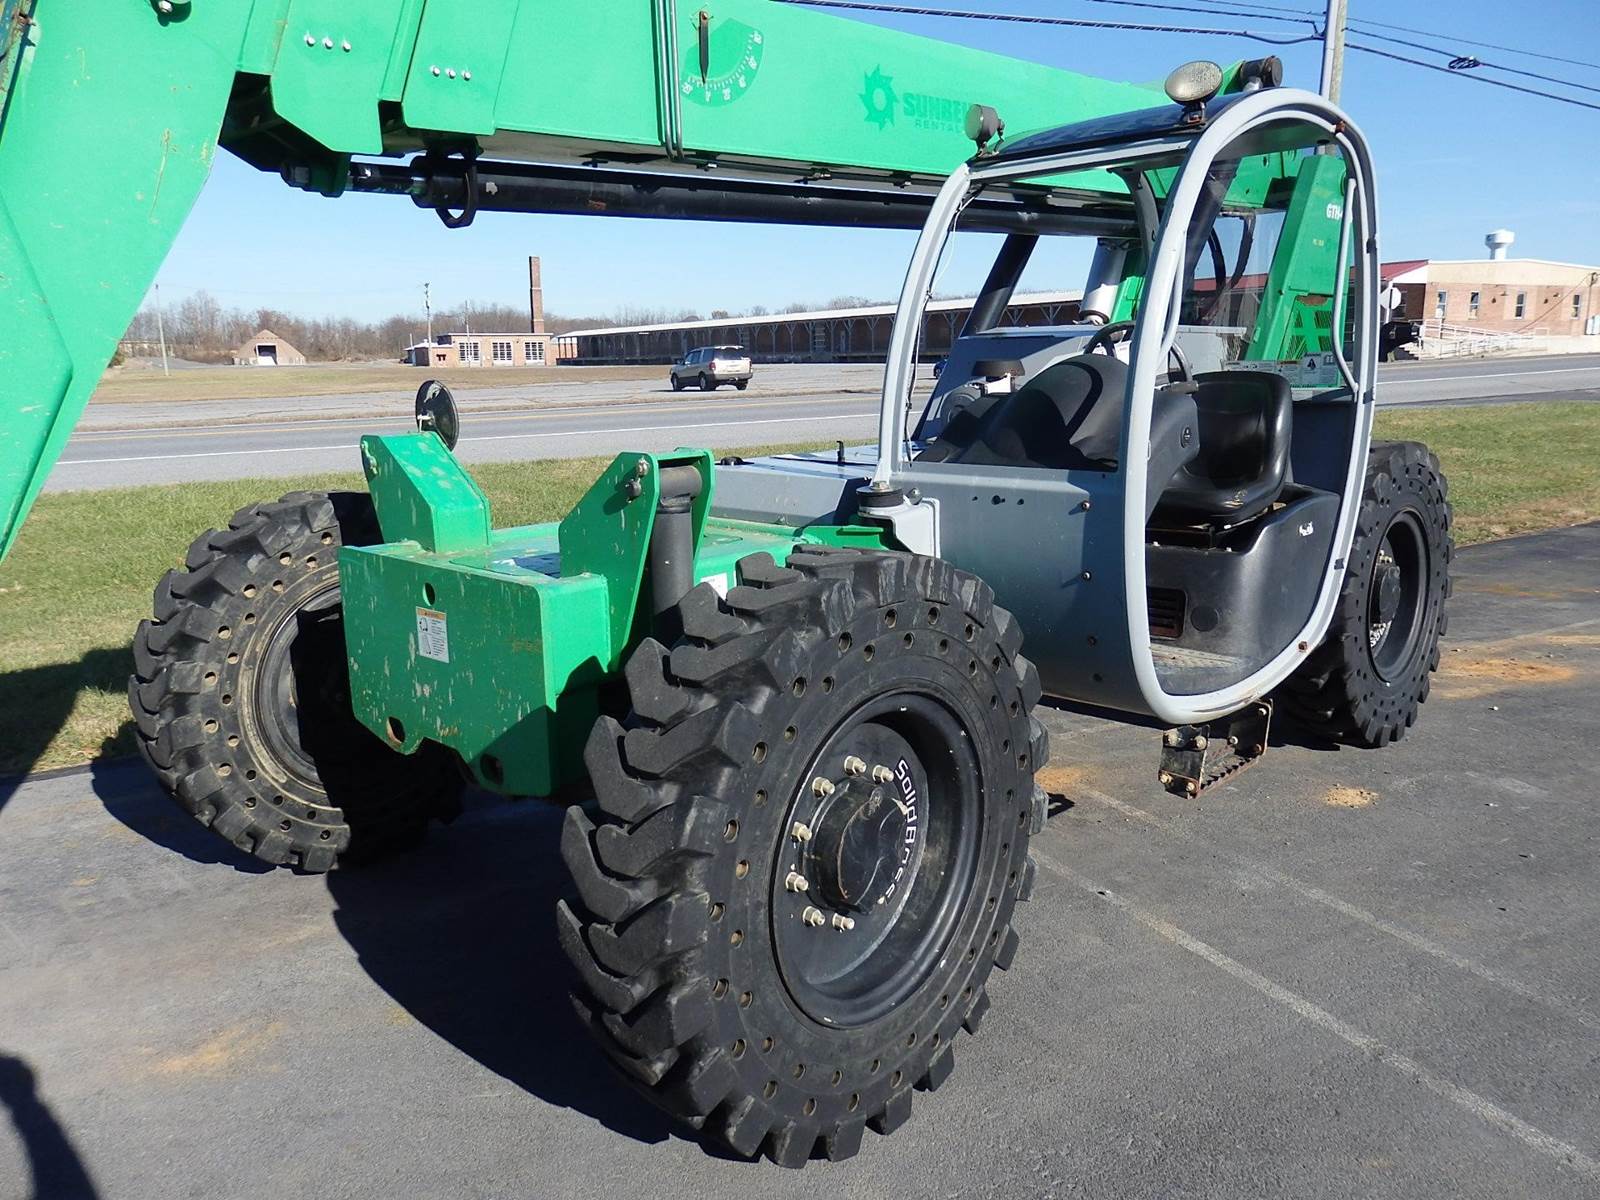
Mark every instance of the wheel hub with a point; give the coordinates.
(1397, 597)
(864, 834)
(1388, 589)
(874, 863)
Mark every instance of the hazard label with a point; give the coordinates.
(433, 635)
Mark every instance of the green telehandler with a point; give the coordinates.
(785, 698)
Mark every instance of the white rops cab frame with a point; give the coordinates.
(1171, 503)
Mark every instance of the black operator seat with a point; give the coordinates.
(1245, 424)
(1068, 417)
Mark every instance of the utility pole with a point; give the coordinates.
(161, 333)
(427, 304)
(1333, 51)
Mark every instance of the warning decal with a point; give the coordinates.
(433, 635)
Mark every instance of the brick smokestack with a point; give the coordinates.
(535, 295)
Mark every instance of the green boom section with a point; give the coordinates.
(110, 121)
(111, 111)
(499, 644)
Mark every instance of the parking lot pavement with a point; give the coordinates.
(1341, 973)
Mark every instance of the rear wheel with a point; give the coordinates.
(812, 831)
(1372, 673)
(742, 384)
(706, 385)
(241, 694)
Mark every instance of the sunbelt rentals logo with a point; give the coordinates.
(921, 111)
(877, 93)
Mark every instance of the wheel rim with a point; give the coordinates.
(888, 858)
(1397, 596)
(301, 692)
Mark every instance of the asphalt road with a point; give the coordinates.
(1339, 974)
(786, 404)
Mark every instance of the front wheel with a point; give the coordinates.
(1365, 683)
(677, 384)
(812, 831)
(241, 694)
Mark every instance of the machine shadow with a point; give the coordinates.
(36, 702)
(131, 794)
(462, 935)
(55, 1169)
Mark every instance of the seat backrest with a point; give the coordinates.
(1067, 417)
(1244, 424)
(1245, 428)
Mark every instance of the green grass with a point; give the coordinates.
(81, 575)
(1513, 468)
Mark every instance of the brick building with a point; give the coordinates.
(533, 347)
(1506, 295)
(529, 349)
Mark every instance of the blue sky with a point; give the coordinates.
(1456, 159)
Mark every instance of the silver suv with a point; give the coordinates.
(710, 367)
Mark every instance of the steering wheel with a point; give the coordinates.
(1108, 335)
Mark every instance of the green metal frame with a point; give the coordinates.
(500, 644)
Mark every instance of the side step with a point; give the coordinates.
(1193, 757)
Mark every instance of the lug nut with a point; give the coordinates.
(1192, 788)
(1166, 778)
(1233, 739)
(843, 923)
(821, 786)
(1172, 738)
(812, 916)
(796, 882)
(801, 832)
(854, 766)
(881, 774)
(1200, 742)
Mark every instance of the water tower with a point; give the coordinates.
(1498, 242)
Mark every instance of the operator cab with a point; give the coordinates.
(1155, 477)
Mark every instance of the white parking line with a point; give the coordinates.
(498, 437)
(1415, 940)
(1484, 1109)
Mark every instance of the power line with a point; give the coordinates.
(1289, 12)
(1468, 62)
(1077, 22)
(1460, 74)
(1576, 62)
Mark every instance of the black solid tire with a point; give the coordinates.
(217, 660)
(672, 932)
(1338, 692)
(677, 384)
(706, 385)
(741, 384)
